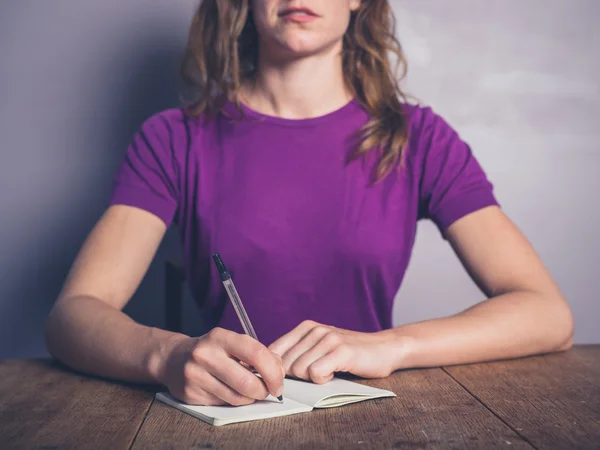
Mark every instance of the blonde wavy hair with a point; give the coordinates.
(222, 52)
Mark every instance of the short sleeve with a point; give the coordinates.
(453, 183)
(147, 177)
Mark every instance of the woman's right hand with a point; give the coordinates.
(206, 370)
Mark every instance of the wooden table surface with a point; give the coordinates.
(550, 401)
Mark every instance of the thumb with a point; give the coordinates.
(280, 360)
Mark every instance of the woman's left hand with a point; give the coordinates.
(314, 352)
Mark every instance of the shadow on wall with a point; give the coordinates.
(153, 86)
(149, 83)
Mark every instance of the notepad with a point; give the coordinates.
(299, 397)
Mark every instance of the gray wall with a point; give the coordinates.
(517, 79)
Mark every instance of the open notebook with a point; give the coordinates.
(299, 397)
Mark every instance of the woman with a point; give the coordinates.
(300, 163)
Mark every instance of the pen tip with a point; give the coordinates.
(280, 398)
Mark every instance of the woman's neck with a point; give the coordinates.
(301, 89)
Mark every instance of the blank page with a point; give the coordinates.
(336, 392)
(222, 415)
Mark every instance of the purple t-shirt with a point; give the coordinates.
(304, 234)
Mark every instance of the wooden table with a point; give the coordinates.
(550, 401)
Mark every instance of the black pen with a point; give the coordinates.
(235, 300)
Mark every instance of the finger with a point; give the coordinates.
(338, 360)
(308, 341)
(241, 380)
(246, 365)
(258, 356)
(191, 390)
(193, 394)
(252, 369)
(280, 359)
(287, 341)
(219, 364)
(327, 344)
(204, 399)
(225, 393)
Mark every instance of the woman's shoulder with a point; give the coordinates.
(427, 129)
(174, 128)
(174, 120)
(421, 117)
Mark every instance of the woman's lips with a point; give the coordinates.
(298, 15)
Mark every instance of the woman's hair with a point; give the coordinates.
(222, 54)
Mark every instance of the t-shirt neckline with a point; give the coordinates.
(349, 108)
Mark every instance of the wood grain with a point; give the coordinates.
(431, 411)
(550, 401)
(553, 401)
(45, 406)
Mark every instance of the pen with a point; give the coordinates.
(235, 300)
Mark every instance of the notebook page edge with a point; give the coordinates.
(347, 399)
(314, 394)
(287, 410)
(168, 400)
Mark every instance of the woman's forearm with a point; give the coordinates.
(508, 326)
(90, 336)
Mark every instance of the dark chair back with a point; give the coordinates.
(174, 283)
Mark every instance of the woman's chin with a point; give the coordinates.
(297, 49)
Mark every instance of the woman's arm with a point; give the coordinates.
(86, 328)
(525, 314)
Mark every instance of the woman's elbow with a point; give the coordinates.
(563, 326)
(50, 334)
(53, 330)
